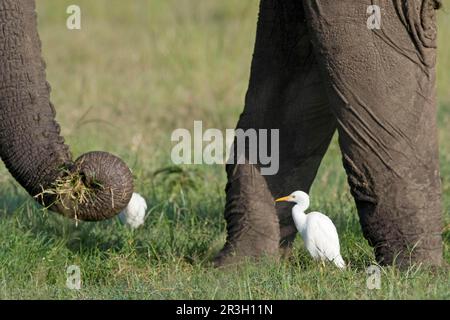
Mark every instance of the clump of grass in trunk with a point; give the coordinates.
(69, 191)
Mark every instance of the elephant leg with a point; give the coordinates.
(381, 87)
(285, 93)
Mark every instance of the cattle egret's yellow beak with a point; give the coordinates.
(287, 198)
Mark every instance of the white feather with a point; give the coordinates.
(134, 213)
(321, 238)
(317, 230)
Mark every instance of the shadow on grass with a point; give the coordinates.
(172, 231)
(22, 213)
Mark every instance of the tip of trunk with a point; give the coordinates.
(96, 187)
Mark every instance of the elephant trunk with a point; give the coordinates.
(30, 142)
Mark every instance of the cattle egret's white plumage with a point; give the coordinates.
(134, 214)
(317, 230)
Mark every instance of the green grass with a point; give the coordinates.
(136, 71)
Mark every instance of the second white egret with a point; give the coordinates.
(134, 214)
(317, 230)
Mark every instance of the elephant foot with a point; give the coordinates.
(253, 229)
(393, 233)
(238, 250)
(244, 250)
(404, 256)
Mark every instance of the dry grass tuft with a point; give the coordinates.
(69, 192)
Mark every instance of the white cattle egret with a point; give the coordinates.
(317, 230)
(134, 214)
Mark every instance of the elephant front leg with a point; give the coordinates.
(252, 223)
(255, 227)
(285, 93)
(381, 86)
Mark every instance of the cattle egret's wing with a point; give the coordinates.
(323, 235)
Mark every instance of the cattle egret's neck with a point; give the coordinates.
(298, 211)
(299, 216)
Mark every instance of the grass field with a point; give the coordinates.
(136, 71)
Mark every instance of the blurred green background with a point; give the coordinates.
(134, 72)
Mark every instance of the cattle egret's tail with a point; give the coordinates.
(339, 262)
